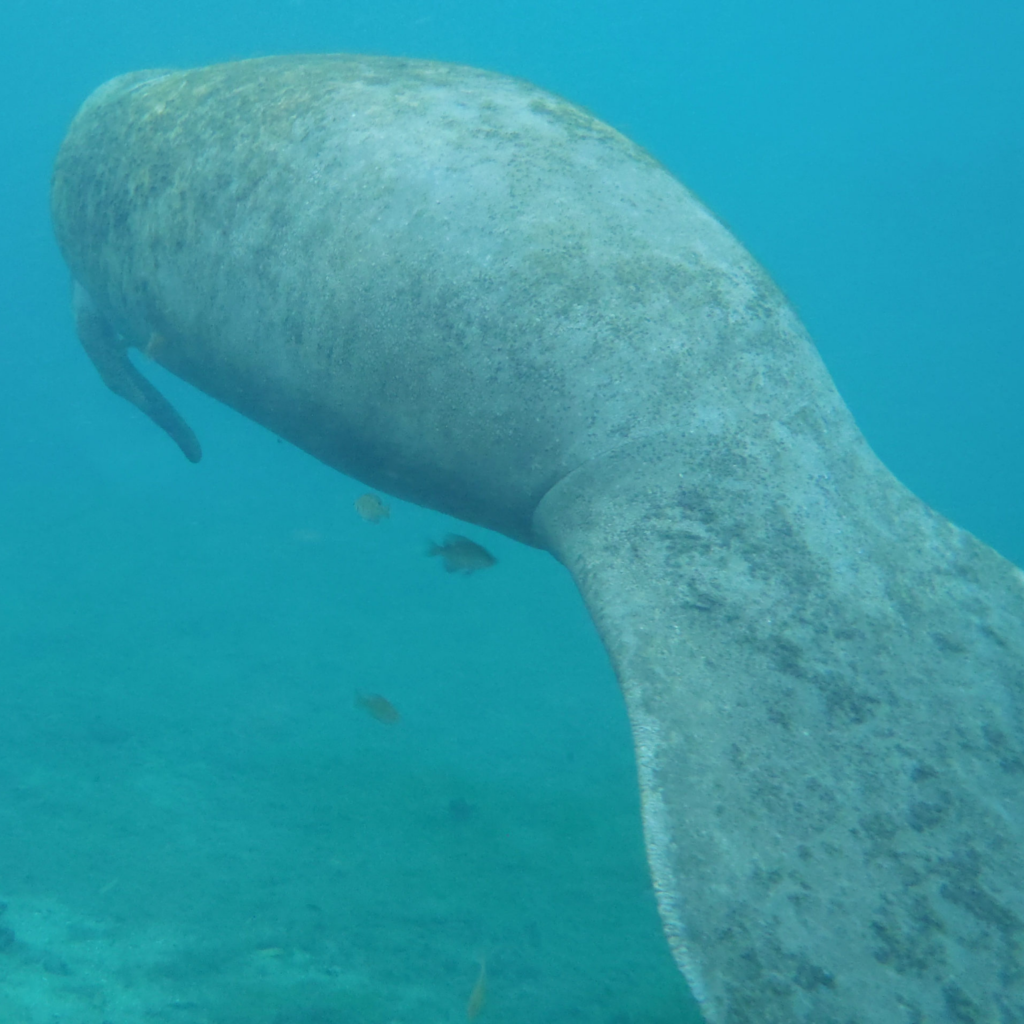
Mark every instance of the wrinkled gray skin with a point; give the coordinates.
(468, 293)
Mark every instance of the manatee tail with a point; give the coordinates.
(827, 701)
(110, 357)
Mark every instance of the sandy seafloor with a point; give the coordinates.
(201, 827)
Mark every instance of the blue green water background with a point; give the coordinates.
(197, 825)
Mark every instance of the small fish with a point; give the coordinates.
(379, 707)
(460, 554)
(371, 508)
(478, 996)
(271, 952)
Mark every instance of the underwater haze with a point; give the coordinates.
(264, 761)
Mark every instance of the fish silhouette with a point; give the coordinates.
(460, 554)
(371, 508)
(379, 707)
(478, 996)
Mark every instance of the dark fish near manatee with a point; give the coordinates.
(460, 554)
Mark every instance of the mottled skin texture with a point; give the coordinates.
(469, 293)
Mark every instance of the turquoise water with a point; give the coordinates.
(197, 824)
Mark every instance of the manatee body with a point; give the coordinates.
(471, 294)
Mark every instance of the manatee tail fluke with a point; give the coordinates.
(826, 709)
(110, 357)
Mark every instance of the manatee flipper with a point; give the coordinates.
(109, 355)
(825, 681)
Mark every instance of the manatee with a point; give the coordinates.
(468, 293)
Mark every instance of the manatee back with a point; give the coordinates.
(448, 283)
